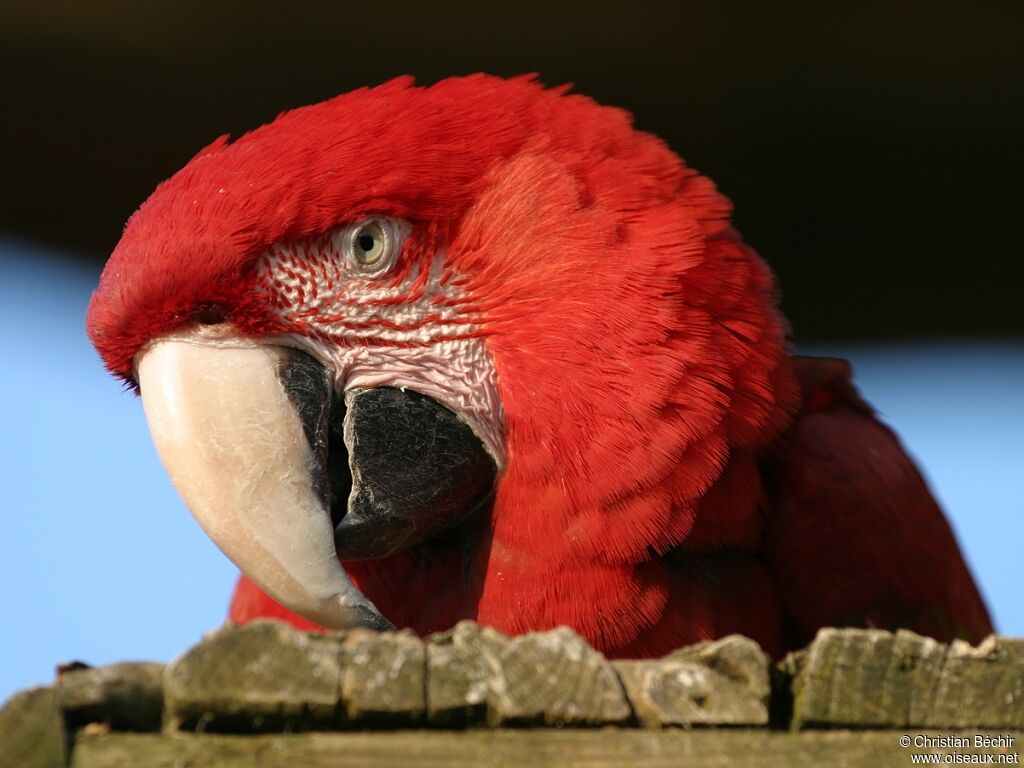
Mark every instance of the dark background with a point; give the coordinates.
(873, 151)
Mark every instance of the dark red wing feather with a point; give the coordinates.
(855, 537)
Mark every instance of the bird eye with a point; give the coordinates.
(369, 244)
(372, 245)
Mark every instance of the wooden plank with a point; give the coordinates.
(557, 748)
(126, 696)
(874, 679)
(32, 731)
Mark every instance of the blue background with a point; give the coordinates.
(100, 561)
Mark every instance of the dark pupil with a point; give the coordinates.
(366, 243)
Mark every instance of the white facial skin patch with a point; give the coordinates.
(372, 330)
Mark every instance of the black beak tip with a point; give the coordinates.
(417, 470)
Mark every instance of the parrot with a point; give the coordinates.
(484, 350)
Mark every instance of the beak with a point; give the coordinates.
(286, 478)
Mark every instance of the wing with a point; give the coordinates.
(855, 537)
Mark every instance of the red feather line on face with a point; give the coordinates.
(316, 295)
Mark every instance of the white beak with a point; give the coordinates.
(233, 444)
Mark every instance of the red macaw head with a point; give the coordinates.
(374, 319)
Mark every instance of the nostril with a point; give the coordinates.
(209, 314)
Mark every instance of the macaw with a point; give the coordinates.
(484, 350)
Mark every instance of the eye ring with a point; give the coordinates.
(372, 245)
(369, 243)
